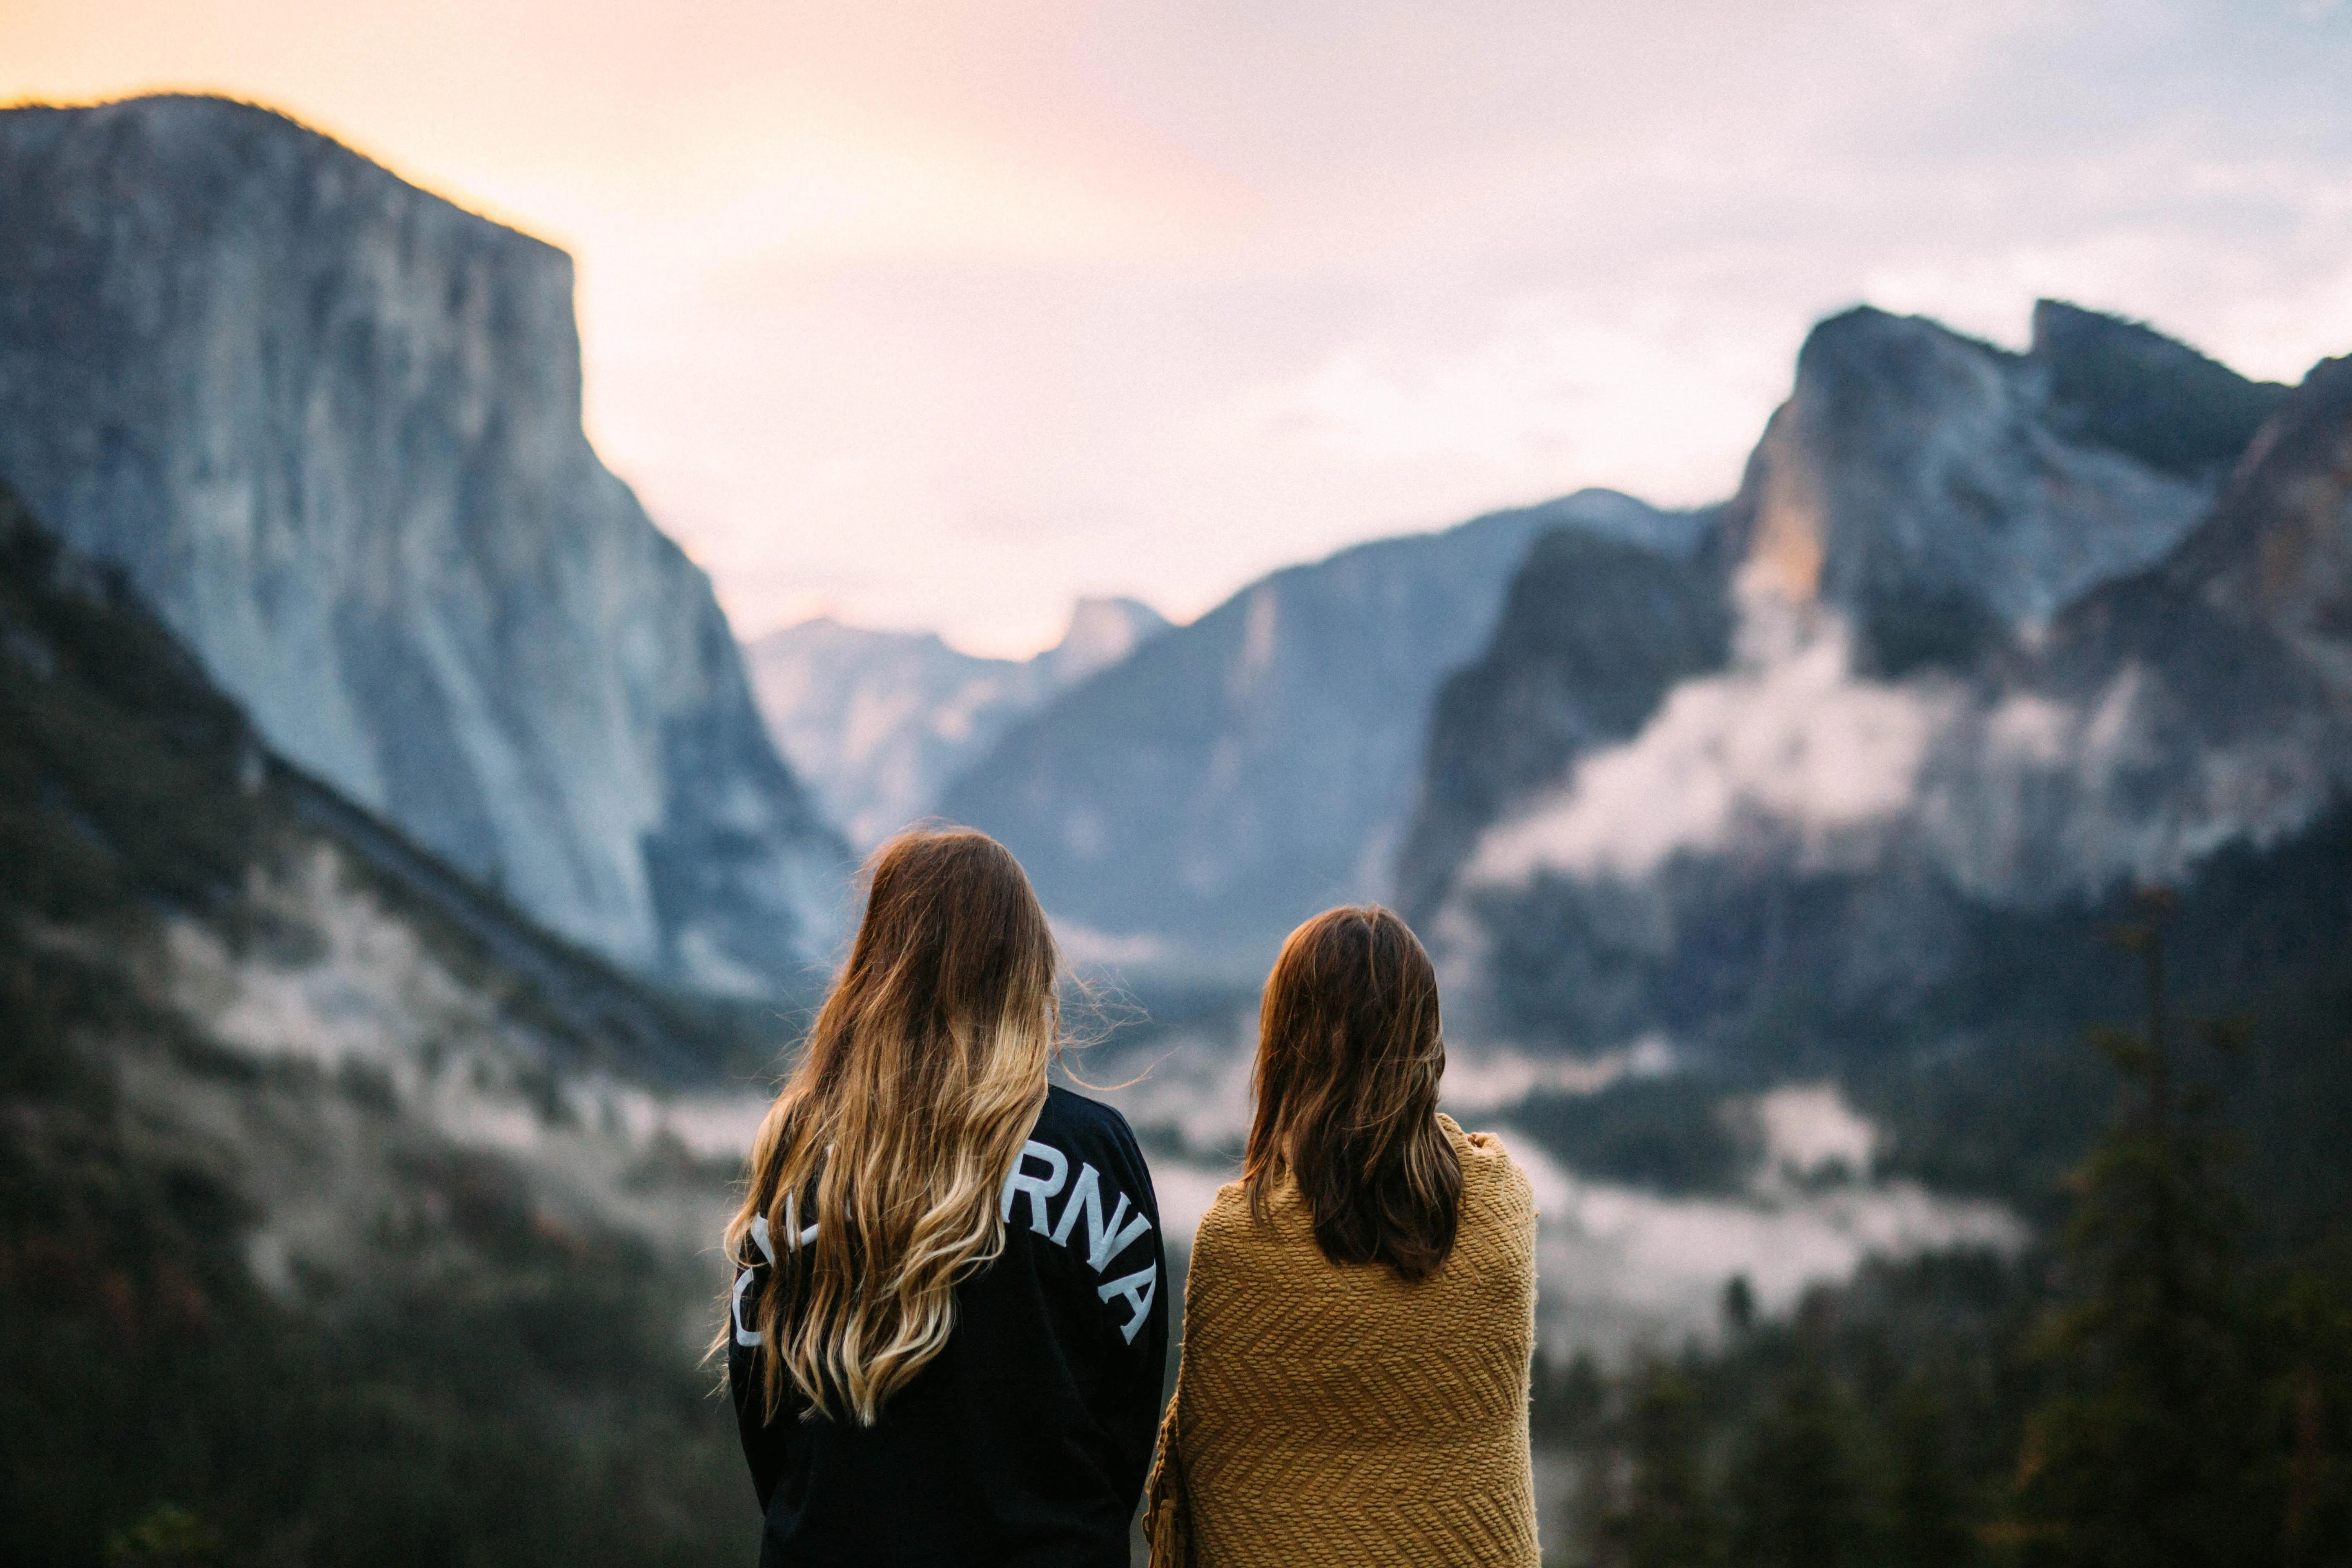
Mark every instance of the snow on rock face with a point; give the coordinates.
(330, 424)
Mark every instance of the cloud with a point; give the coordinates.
(1791, 763)
(1482, 1082)
(1619, 1266)
(1622, 1266)
(1787, 749)
(1810, 1128)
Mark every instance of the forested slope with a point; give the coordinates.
(312, 1248)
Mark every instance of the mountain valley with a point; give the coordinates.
(409, 890)
(324, 1152)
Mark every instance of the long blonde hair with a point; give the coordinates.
(875, 1174)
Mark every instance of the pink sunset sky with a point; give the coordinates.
(939, 314)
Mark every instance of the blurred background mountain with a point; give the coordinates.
(878, 723)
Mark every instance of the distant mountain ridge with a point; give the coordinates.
(1186, 806)
(878, 723)
(2008, 632)
(1914, 472)
(330, 424)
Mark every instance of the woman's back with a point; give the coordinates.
(1338, 1413)
(946, 1330)
(1027, 1439)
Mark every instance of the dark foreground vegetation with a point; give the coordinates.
(490, 1384)
(2166, 1379)
(532, 1404)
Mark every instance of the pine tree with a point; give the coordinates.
(2146, 1454)
(1565, 1403)
(1926, 1523)
(1797, 1502)
(2310, 1322)
(1739, 1307)
(1664, 1518)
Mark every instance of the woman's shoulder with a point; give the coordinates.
(1488, 1172)
(1230, 1226)
(1071, 1134)
(1228, 1214)
(1084, 1126)
(1067, 1110)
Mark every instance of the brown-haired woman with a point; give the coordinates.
(1360, 1310)
(946, 1334)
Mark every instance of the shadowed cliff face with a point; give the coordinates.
(330, 424)
(1594, 633)
(2009, 631)
(2278, 550)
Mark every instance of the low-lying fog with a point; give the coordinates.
(1621, 1264)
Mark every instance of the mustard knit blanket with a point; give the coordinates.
(1337, 1414)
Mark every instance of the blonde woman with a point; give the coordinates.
(1360, 1309)
(946, 1334)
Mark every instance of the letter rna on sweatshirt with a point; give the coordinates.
(1026, 1439)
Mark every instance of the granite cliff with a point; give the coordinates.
(1929, 487)
(329, 426)
(1594, 633)
(2005, 632)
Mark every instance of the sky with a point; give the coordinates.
(939, 314)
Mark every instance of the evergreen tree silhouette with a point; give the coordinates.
(1794, 1494)
(1664, 1518)
(2146, 1456)
(2310, 1323)
(1927, 1527)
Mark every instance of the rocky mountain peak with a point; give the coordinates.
(879, 721)
(2137, 566)
(1101, 632)
(2124, 384)
(1185, 807)
(329, 426)
(1936, 488)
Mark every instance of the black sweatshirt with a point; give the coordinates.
(1026, 1439)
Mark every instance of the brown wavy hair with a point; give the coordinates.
(1349, 1058)
(875, 1174)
